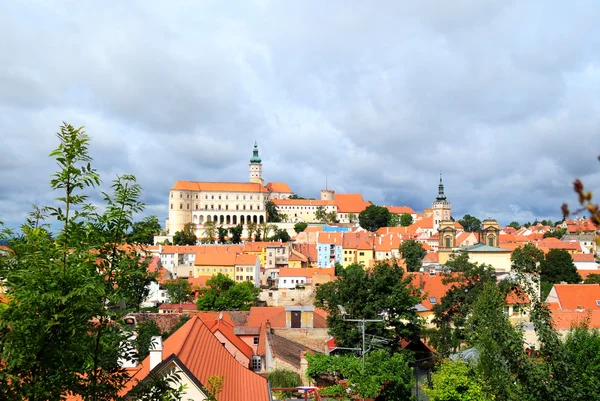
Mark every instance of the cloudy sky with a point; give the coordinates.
(502, 96)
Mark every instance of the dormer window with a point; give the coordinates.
(433, 300)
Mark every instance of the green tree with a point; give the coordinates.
(321, 214)
(466, 280)
(386, 376)
(210, 232)
(134, 284)
(582, 348)
(273, 215)
(470, 223)
(556, 233)
(143, 232)
(283, 378)
(557, 267)
(515, 225)
(61, 330)
(222, 293)
(352, 218)
(251, 229)
(300, 227)
(527, 259)
(281, 235)
(178, 290)
(413, 253)
(145, 331)
(394, 220)
(455, 381)
(185, 236)
(406, 220)
(366, 294)
(222, 232)
(592, 279)
(374, 217)
(236, 233)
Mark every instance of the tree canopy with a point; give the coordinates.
(61, 329)
(470, 223)
(557, 267)
(413, 253)
(143, 232)
(527, 259)
(406, 219)
(178, 290)
(300, 227)
(222, 293)
(515, 225)
(374, 217)
(366, 294)
(273, 215)
(185, 236)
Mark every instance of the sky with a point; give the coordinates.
(502, 97)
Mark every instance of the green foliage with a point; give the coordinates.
(470, 223)
(300, 227)
(281, 235)
(159, 387)
(515, 225)
(413, 253)
(394, 220)
(134, 284)
(222, 232)
(145, 331)
(467, 281)
(214, 387)
(143, 232)
(406, 220)
(527, 259)
(583, 355)
(386, 376)
(325, 217)
(273, 215)
(284, 378)
(558, 266)
(374, 217)
(455, 381)
(178, 290)
(61, 330)
(592, 279)
(222, 293)
(185, 236)
(210, 230)
(365, 294)
(557, 233)
(236, 233)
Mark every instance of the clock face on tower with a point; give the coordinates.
(437, 213)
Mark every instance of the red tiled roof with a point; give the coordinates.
(280, 187)
(577, 296)
(350, 203)
(302, 202)
(562, 319)
(432, 287)
(218, 186)
(583, 257)
(204, 356)
(431, 257)
(260, 314)
(585, 273)
(227, 330)
(400, 209)
(305, 272)
(253, 246)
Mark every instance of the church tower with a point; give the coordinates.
(256, 167)
(441, 206)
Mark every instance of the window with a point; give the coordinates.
(361, 254)
(196, 196)
(171, 206)
(598, 302)
(433, 300)
(516, 309)
(212, 197)
(188, 207)
(284, 281)
(255, 340)
(171, 195)
(181, 205)
(256, 363)
(180, 195)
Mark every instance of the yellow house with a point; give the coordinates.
(357, 248)
(209, 264)
(498, 258)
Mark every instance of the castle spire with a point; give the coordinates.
(255, 158)
(441, 196)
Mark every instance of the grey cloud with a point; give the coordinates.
(500, 95)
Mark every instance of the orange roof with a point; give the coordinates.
(432, 287)
(330, 238)
(260, 314)
(431, 257)
(308, 250)
(305, 272)
(198, 281)
(425, 222)
(387, 243)
(226, 329)
(204, 356)
(566, 319)
(215, 259)
(219, 186)
(577, 296)
(585, 273)
(350, 203)
(280, 187)
(245, 259)
(583, 257)
(261, 348)
(397, 230)
(510, 246)
(462, 237)
(302, 202)
(357, 240)
(259, 246)
(400, 209)
(555, 243)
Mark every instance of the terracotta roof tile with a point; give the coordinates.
(583, 257)
(578, 296)
(564, 320)
(400, 209)
(280, 187)
(350, 203)
(219, 186)
(204, 356)
(260, 314)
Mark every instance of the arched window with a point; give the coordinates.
(181, 206)
(447, 242)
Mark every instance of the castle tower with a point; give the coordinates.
(256, 167)
(327, 194)
(441, 206)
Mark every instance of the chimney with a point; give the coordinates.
(156, 351)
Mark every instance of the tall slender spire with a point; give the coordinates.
(441, 196)
(255, 158)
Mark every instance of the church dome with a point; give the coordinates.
(255, 159)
